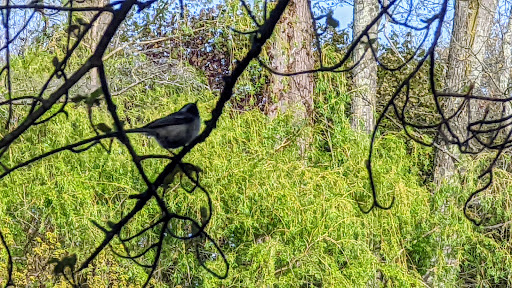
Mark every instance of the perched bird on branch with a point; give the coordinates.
(174, 130)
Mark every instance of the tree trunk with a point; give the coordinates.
(94, 35)
(482, 20)
(504, 80)
(291, 52)
(447, 155)
(471, 29)
(364, 99)
(364, 74)
(504, 75)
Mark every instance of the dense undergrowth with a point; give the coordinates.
(283, 218)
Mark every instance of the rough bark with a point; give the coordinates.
(482, 20)
(473, 20)
(291, 52)
(364, 74)
(507, 58)
(504, 81)
(444, 163)
(466, 66)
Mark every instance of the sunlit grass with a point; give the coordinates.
(283, 218)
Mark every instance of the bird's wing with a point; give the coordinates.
(173, 119)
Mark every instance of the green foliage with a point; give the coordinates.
(283, 220)
(420, 107)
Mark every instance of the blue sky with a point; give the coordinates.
(344, 15)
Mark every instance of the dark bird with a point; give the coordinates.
(174, 130)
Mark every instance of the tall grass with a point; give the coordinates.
(283, 218)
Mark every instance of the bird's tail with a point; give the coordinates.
(144, 130)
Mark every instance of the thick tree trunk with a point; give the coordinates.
(483, 17)
(364, 74)
(447, 155)
(466, 66)
(291, 52)
(364, 99)
(504, 77)
(482, 21)
(506, 48)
